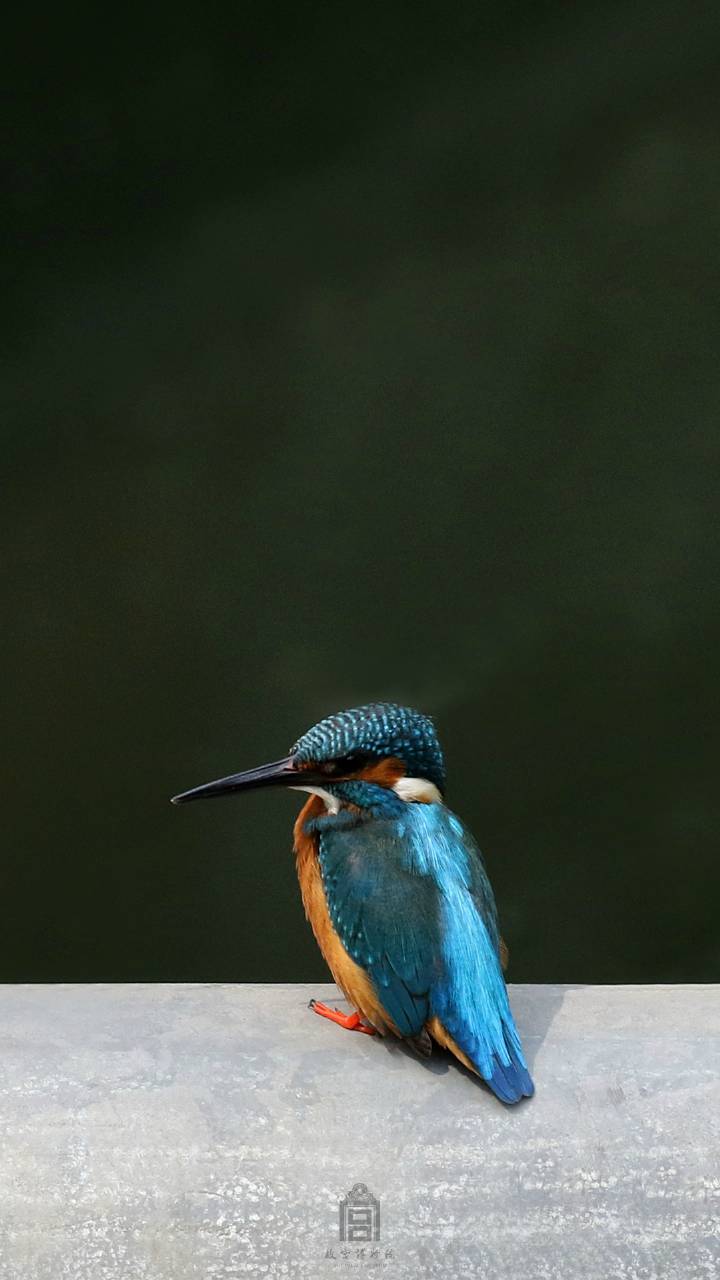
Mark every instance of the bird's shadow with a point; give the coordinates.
(534, 1006)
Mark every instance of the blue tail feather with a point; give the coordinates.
(510, 1082)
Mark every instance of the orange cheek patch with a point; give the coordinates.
(383, 772)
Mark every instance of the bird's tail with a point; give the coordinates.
(510, 1081)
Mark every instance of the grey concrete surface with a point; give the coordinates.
(179, 1132)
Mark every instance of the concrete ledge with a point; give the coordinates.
(182, 1132)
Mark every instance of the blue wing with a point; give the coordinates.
(385, 914)
(409, 897)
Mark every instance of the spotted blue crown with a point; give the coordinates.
(378, 730)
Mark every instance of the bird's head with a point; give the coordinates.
(382, 743)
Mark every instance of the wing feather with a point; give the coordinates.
(413, 906)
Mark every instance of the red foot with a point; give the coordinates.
(351, 1021)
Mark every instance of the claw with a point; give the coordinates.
(350, 1021)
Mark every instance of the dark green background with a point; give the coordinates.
(359, 353)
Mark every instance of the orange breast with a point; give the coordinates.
(352, 980)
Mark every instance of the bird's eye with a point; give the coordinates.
(344, 765)
(327, 767)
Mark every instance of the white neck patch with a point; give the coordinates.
(332, 803)
(417, 789)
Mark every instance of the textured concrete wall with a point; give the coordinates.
(179, 1132)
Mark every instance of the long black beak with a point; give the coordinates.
(282, 773)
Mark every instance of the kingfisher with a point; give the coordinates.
(395, 889)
